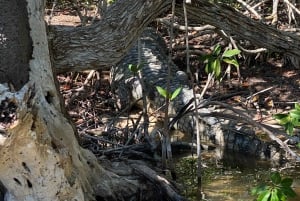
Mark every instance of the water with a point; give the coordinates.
(230, 178)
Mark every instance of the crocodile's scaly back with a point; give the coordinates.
(154, 71)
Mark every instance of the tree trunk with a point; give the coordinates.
(40, 156)
(105, 43)
(236, 24)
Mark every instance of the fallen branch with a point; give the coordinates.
(164, 184)
(242, 27)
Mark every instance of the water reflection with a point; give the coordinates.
(230, 176)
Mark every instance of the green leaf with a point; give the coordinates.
(295, 122)
(176, 93)
(274, 195)
(216, 50)
(297, 106)
(140, 66)
(258, 189)
(217, 67)
(161, 91)
(289, 128)
(286, 182)
(231, 61)
(282, 118)
(205, 58)
(264, 196)
(289, 192)
(135, 68)
(209, 67)
(295, 114)
(275, 178)
(281, 196)
(230, 53)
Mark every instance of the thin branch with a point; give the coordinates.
(292, 6)
(250, 9)
(256, 51)
(259, 92)
(199, 172)
(182, 27)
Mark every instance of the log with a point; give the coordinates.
(238, 25)
(104, 43)
(163, 183)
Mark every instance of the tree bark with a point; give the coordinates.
(105, 43)
(40, 156)
(235, 23)
(17, 57)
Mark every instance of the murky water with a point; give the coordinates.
(230, 178)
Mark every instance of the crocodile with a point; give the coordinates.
(153, 55)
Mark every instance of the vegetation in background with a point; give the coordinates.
(279, 189)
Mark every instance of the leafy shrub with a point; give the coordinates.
(290, 120)
(213, 61)
(279, 189)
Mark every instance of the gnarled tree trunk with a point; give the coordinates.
(106, 42)
(40, 156)
(94, 47)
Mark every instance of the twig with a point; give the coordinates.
(259, 92)
(144, 92)
(256, 51)
(166, 132)
(132, 135)
(249, 8)
(259, 3)
(133, 146)
(199, 174)
(182, 27)
(292, 6)
(102, 139)
(51, 13)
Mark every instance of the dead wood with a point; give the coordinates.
(104, 43)
(236, 24)
(163, 183)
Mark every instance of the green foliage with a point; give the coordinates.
(135, 68)
(111, 1)
(279, 189)
(214, 60)
(171, 96)
(176, 93)
(290, 120)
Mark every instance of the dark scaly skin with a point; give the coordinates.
(154, 72)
